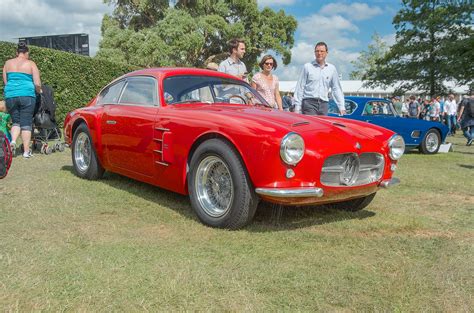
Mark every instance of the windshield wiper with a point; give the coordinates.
(187, 101)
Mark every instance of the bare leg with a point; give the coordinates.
(16, 132)
(26, 137)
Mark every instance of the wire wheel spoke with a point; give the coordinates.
(82, 152)
(431, 142)
(214, 186)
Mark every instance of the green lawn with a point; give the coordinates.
(68, 244)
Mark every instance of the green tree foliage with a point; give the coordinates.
(367, 59)
(151, 33)
(434, 44)
(75, 79)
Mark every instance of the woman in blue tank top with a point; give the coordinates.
(22, 81)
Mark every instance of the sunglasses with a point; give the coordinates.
(268, 63)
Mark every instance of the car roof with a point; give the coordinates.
(364, 99)
(166, 71)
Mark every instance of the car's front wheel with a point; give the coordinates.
(431, 142)
(353, 205)
(219, 188)
(84, 158)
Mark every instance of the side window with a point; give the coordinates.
(377, 108)
(111, 93)
(140, 91)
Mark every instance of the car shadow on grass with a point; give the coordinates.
(274, 217)
(269, 217)
(174, 201)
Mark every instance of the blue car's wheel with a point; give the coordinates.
(431, 142)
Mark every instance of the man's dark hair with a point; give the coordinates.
(322, 43)
(234, 44)
(22, 47)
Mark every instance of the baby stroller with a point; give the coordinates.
(46, 136)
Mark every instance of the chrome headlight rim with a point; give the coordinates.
(293, 139)
(396, 146)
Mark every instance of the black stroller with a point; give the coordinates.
(46, 135)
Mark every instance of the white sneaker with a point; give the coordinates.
(27, 155)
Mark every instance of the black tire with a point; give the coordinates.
(88, 166)
(431, 142)
(353, 205)
(216, 165)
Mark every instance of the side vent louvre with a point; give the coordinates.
(160, 145)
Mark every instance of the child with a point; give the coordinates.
(5, 120)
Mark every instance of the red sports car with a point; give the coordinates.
(212, 136)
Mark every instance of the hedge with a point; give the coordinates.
(75, 79)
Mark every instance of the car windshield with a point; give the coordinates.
(209, 89)
(349, 105)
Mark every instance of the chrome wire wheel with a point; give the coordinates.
(213, 186)
(432, 142)
(82, 152)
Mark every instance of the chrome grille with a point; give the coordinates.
(350, 169)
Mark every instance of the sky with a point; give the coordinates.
(346, 26)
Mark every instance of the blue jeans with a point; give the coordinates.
(452, 123)
(468, 132)
(21, 110)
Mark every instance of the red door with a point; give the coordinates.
(128, 127)
(127, 133)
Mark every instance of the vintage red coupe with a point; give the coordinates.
(210, 135)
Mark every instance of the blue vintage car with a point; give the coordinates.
(425, 135)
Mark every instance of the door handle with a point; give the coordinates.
(111, 122)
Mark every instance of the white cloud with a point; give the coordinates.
(354, 11)
(25, 18)
(335, 24)
(275, 2)
(336, 30)
(389, 39)
(303, 52)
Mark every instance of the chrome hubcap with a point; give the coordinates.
(432, 142)
(214, 187)
(82, 152)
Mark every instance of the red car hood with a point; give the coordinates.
(335, 128)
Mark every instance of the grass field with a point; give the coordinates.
(68, 244)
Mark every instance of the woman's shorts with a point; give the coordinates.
(21, 110)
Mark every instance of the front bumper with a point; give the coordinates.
(316, 195)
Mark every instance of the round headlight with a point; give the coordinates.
(292, 148)
(397, 147)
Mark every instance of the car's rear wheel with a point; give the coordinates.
(84, 158)
(219, 188)
(431, 142)
(353, 205)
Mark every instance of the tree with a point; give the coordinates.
(367, 59)
(192, 32)
(434, 44)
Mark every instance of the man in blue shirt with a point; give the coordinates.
(312, 88)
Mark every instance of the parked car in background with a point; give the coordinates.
(211, 136)
(427, 136)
